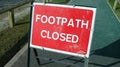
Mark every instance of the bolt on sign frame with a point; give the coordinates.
(62, 28)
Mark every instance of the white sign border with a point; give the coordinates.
(60, 51)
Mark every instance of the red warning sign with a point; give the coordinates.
(61, 28)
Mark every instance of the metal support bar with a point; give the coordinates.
(11, 18)
(115, 4)
(36, 54)
(86, 62)
(59, 61)
(28, 59)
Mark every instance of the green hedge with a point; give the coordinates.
(117, 11)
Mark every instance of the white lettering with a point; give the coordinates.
(71, 23)
(64, 20)
(68, 37)
(78, 23)
(48, 35)
(43, 33)
(84, 24)
(58, 20)
(59, 36)
(44, 19)
(37, 17)
(75, 39)
(55, 35)
(51, 20)
(62, 35)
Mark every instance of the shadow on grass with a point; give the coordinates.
(60, 1)
(21, 23)
(118, 6)
(13, 50)
(113, 50)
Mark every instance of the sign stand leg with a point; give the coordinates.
(86, 62)
(28, 59)
(36, 55)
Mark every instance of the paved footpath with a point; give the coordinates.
(105, 45)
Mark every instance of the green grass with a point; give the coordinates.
(12, 39)
(117, 11)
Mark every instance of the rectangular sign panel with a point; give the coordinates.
(61, 28)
